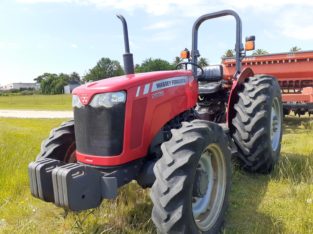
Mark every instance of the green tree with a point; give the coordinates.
(260, 52)
(57, 85)
(48, 82)
(51, 83)
(74, 76)
(177, 60)
(295, 49)
(203, 62)
(64, 77)
(105, 68)
(150, 64)
(229, 53)
(38, 79)
(137, 66)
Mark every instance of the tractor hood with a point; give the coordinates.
(125, 82)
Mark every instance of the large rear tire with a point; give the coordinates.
(190, 193)
(257, 125)
(60, 144)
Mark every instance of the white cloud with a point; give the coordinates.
(74, 46)
(160, 25)
(162, 36)
(266, 5)
(268, 34)
(161, 7)
(43, 1)
(292, 19)
(296, 24)
(9, 45)
(154, 7)
(189, 8)
(287, 20)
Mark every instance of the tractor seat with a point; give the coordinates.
(209, 87)
(212, 73)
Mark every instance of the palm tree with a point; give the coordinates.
(295, 49)
(203, 62)
(229, 53)
(177, 60)
(260, 52)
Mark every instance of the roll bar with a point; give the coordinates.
(238, 46)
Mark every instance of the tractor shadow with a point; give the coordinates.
(243, 216)
(129, 213)
(249, 190)
(296, 125)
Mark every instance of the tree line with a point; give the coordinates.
(231, 53)
(51, 83)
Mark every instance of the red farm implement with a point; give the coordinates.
(294, 72)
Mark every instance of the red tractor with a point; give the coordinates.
(173, 131)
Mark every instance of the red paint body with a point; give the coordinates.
(156, 109)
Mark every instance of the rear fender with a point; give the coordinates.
(233, 97)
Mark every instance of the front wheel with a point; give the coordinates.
(60, 144)
(190, 193)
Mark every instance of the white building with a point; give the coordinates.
(18, 86)
(70, 87)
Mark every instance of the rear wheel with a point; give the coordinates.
(257, 125)
(60, 144)
(192, 183)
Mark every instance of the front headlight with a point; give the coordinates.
(108, 99)
(76, 102)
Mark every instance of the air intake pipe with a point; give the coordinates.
(127, 56)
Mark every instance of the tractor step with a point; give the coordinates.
(73, 186)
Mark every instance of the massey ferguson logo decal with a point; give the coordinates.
(84, 98)
(168, 83)
(162, 84)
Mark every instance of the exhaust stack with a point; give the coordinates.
(127, 57)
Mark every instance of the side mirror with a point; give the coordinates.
(250, 43)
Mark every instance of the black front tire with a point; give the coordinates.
(60, 144)
(252, 126)
(173, 190)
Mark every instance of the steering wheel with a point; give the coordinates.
(193, 64)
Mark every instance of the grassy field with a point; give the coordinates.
(36, 102)
(278, 203)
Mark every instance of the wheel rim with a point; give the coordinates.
(275, 124)
(207, 209)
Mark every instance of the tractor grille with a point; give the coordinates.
(99, 131)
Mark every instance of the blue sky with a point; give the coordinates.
(38, 36)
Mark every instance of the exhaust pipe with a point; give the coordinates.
(127, 57)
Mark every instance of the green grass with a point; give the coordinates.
(278, 203)
(36, 102)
